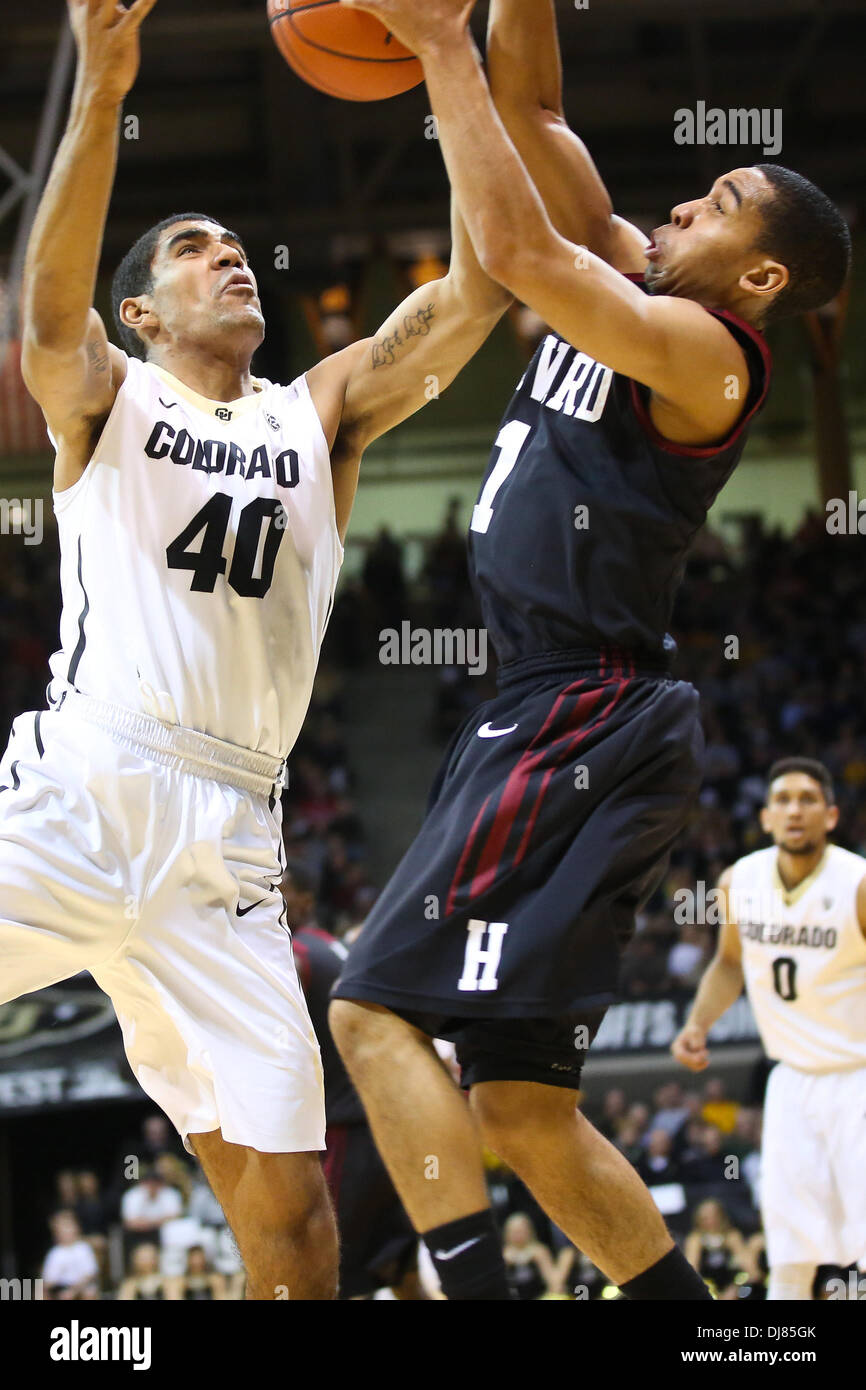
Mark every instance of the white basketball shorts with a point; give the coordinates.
(813, 1161)
(122, 854)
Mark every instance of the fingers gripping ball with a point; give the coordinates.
(345, 53)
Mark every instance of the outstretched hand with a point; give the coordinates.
(106, 34)
(419, 24)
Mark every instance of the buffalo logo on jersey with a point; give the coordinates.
(222, 456)
(583, 391)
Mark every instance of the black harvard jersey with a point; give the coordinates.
(581, 530)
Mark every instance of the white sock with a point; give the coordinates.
(791, 1282)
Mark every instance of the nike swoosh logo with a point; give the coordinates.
(168, 404)
(487, 731)
(242, 911)
(458, 1249)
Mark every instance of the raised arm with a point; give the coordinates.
(68, 363)
(671, 345)
(524, 67)
(368, 388)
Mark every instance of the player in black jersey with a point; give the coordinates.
(558, 802)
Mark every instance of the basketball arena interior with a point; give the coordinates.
(343, 208)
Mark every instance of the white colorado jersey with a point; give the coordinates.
(804, 959)
(199, 558)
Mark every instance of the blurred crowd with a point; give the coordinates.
(145, 1226)
(154, 1231)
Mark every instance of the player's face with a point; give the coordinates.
(796, 814)
(204, 288)
(706, 252)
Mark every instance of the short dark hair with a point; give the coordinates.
(811, 767)
(134, 276)
(806, 231)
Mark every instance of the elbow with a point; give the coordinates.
(500, 259)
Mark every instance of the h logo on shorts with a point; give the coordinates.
(480, 964)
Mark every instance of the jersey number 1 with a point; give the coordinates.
(511, 440)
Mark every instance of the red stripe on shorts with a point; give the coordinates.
(518, 782)
(514, 793)
(455, 883)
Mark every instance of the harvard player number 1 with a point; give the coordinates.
(511, 440)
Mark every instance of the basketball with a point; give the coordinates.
(344, 53)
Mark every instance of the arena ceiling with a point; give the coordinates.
(224, 126)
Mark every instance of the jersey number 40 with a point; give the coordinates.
(208, 562)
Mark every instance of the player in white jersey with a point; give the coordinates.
(794, 931)
(201, 514)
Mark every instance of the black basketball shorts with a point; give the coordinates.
(550, 824)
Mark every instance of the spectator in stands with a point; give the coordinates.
(629, 1139)
(718, 1109)
(707, 1163)
(531, 1271)
(66, 1188)
(716, 1250)
(638, 1112)
(200, 1281)
(144, 1280)
(175, 1173)
(384, 580)
(158, 1137)
(447, 570)
(657, 1164)
(612, 1113)
(146, 1207)
(70, 1270)
(691, 1146)
(90, 1205)
(672, 1110)
(687, 958)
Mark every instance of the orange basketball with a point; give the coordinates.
(345, 53)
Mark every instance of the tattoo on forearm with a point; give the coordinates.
(97, 357)
(414, 326)
(385, 352)
(418, 325)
